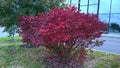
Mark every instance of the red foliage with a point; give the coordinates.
(61, 28)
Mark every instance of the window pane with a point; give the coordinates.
(93, 1)
(104, 18)
(115, 6)
(104, 6)
(115, 18)
(84, 2)
(93, 9)
(83, 9)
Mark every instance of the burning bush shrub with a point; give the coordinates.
(65, 33)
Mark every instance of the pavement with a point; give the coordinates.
(112, 34)
(111, 44)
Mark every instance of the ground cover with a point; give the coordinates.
(13, 55)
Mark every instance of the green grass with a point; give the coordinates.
(6, 41)
(104, 60)
(12, 54)
(17, 56)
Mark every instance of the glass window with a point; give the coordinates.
(84, 2)
(104, 18)
(115, 18)
(104, 6)
(115, 6)
(93, 9)
(93, 1)
(83, 9)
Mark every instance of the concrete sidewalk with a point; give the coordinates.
(111, 44)
(112, 34)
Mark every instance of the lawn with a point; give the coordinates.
(12, 55)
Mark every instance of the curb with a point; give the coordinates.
(115, 36)
(106, 51)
